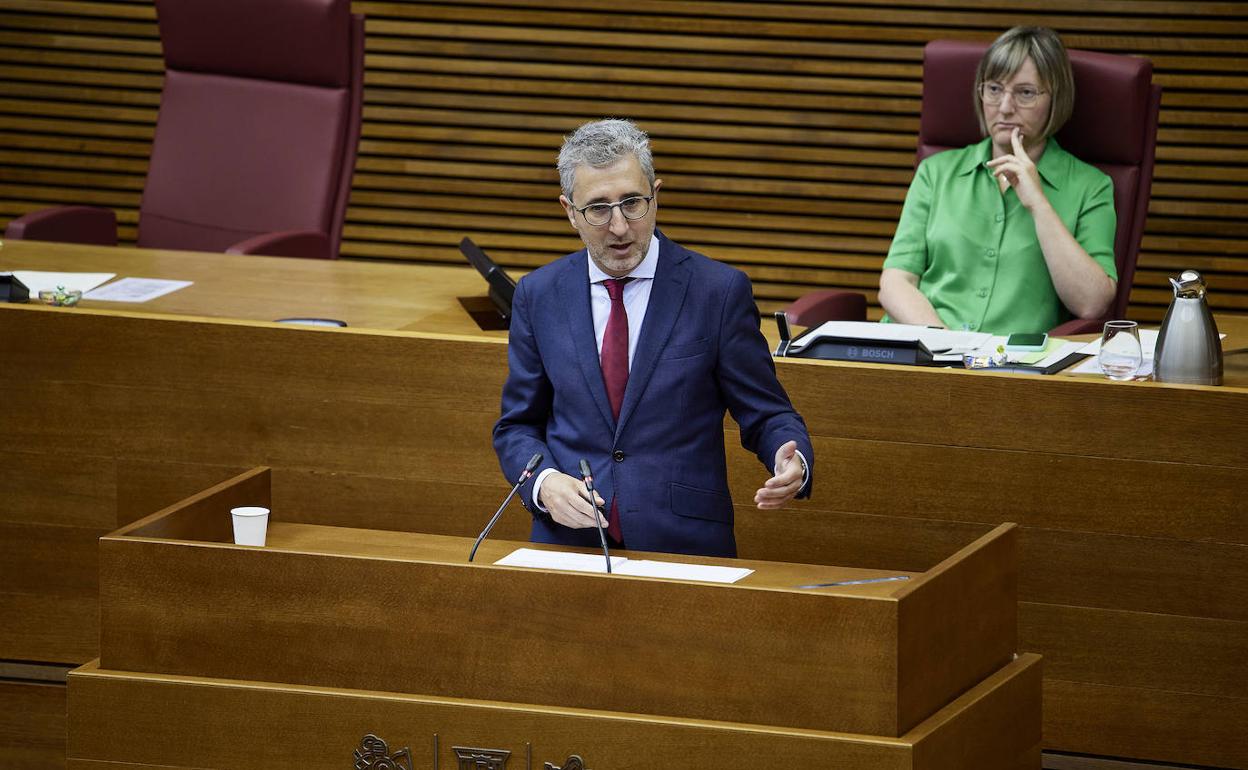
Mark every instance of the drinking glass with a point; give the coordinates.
(1120, 355)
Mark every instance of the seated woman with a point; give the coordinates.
(1012, 234)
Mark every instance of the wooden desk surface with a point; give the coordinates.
(1234, 367)
(370, 295)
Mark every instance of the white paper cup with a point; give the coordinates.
(251, 524)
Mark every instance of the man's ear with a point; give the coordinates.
(567, 208)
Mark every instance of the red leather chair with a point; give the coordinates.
(256, 138)
(1113, 127)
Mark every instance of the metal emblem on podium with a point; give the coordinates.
(373, 754)
(573, 762)
(481, 759)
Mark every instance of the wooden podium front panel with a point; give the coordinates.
(376, 610)
(473, 631)
(128, 721)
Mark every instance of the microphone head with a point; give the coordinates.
(585, 468)
(533, 463)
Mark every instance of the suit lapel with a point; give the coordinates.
(671, 280)
(574, 293)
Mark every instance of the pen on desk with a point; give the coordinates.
(859, 582)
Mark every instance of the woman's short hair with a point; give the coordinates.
(600, 144)
(1006, 55)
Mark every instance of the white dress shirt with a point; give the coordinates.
(636, 297)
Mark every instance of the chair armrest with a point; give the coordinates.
(1078, 326)
(827, 305)
(288, 243)
(66, 224)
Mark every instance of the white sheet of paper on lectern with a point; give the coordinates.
(589, 562)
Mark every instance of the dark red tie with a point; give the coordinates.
(614, 359)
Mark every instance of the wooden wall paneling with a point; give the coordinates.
(1201, 730)
(1186, 577)
(53, 508)
(1147, 498)
(1052, 415)
(1195, 655)
(49, 592)
(785, 131)
(32, 725)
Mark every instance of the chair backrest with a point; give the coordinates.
(1113, 127)
(259, 121)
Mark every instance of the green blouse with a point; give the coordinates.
(975, 249)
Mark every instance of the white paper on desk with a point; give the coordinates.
(1148, 343)
(42, 280)
(621, 565)
(951, 342)
(136, 289)
(1093, 366)
(574, 562)
(706, 573)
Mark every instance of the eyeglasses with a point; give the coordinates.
(1024, 96)
(598, 214)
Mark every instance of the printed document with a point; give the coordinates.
(136, 289)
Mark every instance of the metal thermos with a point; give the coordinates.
(1188, 347)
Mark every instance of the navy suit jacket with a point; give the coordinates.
(699, 353)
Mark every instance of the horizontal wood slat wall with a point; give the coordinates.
(784, 131)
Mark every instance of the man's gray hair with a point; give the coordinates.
(600, 144)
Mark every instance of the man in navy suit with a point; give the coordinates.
(627, 354)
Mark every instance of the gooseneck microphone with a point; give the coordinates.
(534, 461)
(588, 478)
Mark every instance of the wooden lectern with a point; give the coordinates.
(333, 647)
